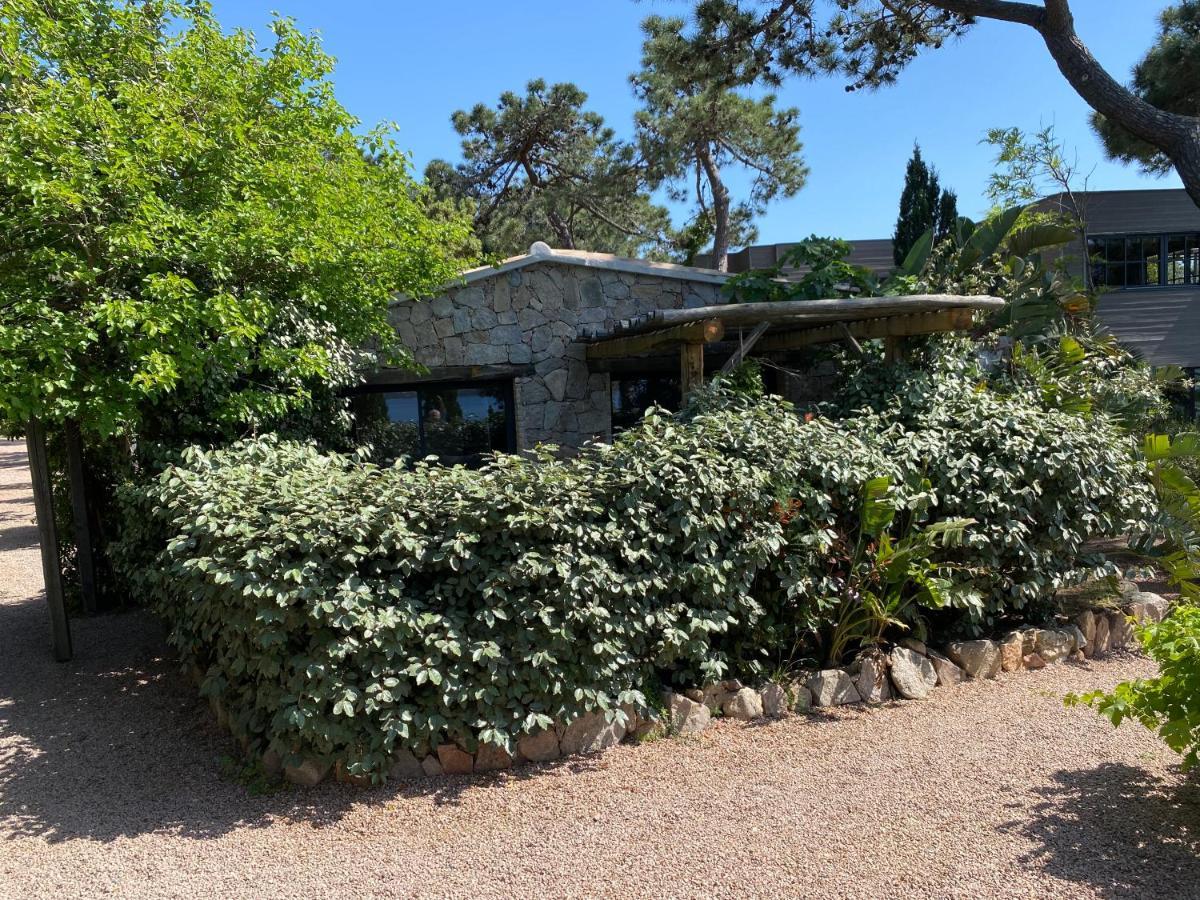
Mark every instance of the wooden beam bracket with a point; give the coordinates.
(706, 331)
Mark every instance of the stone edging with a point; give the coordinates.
(910, 671)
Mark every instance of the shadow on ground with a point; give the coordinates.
(1118, 829)
(117, 743)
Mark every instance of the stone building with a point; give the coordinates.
(505, 349)
(563, 346)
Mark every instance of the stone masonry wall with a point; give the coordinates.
(532, 316)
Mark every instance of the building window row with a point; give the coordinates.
(1144, 260)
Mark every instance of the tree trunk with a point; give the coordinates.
(1175, 135)
(566, 241)
(720, 200)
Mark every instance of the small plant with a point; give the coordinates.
(1168, 703)
(889, 579)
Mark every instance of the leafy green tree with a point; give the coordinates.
(190, 226)
(1168, 78)
(923, 206)
(871, 41)
(541, 167)
(692, 129)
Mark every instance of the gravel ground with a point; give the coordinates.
(110, 785)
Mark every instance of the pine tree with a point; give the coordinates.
(693, 128)
(541, 167)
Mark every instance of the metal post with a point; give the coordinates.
(43, 504)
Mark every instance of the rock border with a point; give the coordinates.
(911, 671)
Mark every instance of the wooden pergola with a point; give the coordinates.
(787, 325)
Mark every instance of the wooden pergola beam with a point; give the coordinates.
(796, 313)
(868, 329)
(705, 331)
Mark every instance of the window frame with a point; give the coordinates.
(1191, 273)
(508, 397)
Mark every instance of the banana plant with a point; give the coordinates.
(891, 579)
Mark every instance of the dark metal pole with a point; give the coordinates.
(84, 558)
(43, 504)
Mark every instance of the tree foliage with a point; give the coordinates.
(542, 167)
(1167, 77)
(924, 205)
(186, 218)
(693, 129)
(869, 42)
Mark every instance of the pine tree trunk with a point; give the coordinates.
(1175, 135)
(720, 200)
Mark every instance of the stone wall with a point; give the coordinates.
(532, 317)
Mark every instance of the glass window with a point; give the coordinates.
(456, 423)
(632, 395)
(1138, 261)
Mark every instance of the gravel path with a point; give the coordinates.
(109, 785)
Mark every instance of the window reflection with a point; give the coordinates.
(632, 395)
(456, 423)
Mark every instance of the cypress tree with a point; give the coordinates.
(918, 205)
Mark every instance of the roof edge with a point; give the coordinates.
(542, 253)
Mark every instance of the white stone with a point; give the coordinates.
(979, 659)
(687, 716)
(591, 732)
(745, 705)
(913, 674)
(872, 679)
(947, 672)
(774, 700)
(540, 746)
(832, 687)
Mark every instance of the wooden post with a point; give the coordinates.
(691, 367)
(893, 349)
(84, 558)
(43, 504)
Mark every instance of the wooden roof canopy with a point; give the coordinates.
(792, 324)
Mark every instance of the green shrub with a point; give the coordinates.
(1039, 483)
(340, 609)
(1168, 703)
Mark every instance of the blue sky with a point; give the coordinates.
(416, 62)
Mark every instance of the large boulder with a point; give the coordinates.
(947, 672)
(1054, 645)
(589, 733)
(686, 716)
(913, 674)
(1120, 629)
(802, 700)
(489, 758)
(745, 705)
(1147, 607)
(1079, 639)
(832, 687)
(309, 772)
(1086, 623)
(774, 701)
(405, 765)
(979, 659)
(871, 682)
(1012, 649)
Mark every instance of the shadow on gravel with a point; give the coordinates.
(1119, 830)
